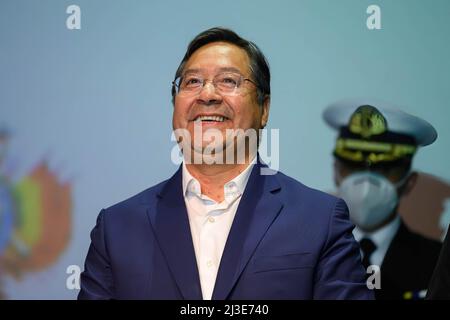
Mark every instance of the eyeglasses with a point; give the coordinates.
(225, 83)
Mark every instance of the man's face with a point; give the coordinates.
(374, 215)
(240, 111)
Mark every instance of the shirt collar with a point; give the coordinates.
(381, 237)
(234, 186)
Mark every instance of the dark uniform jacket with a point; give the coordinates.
(407, 266)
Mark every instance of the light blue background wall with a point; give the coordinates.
(95, 102)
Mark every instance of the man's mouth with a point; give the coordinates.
(211, 118)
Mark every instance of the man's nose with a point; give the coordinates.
(208, 94)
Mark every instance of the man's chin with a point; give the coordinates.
(208, 149)
(218, 154)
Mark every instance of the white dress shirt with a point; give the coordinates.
(382, 238)
(210, 223)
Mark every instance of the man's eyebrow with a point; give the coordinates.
(223, 69)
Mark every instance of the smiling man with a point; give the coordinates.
(220, 229)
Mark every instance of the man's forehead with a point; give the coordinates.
(219, 56)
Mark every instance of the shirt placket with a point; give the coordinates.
(208, 246)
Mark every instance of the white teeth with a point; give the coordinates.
(210, 118)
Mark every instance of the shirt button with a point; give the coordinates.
(209, 263)
(211, 219)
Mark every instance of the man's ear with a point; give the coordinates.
(410, 183)
(265, 111)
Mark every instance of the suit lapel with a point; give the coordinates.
(171, 225)
(257, 210)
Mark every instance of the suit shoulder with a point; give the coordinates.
(428, 245)
(424, 247)
(142, 198)
(294, 189)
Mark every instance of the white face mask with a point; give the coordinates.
(371, 197)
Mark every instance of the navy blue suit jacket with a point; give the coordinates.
(287, 241)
